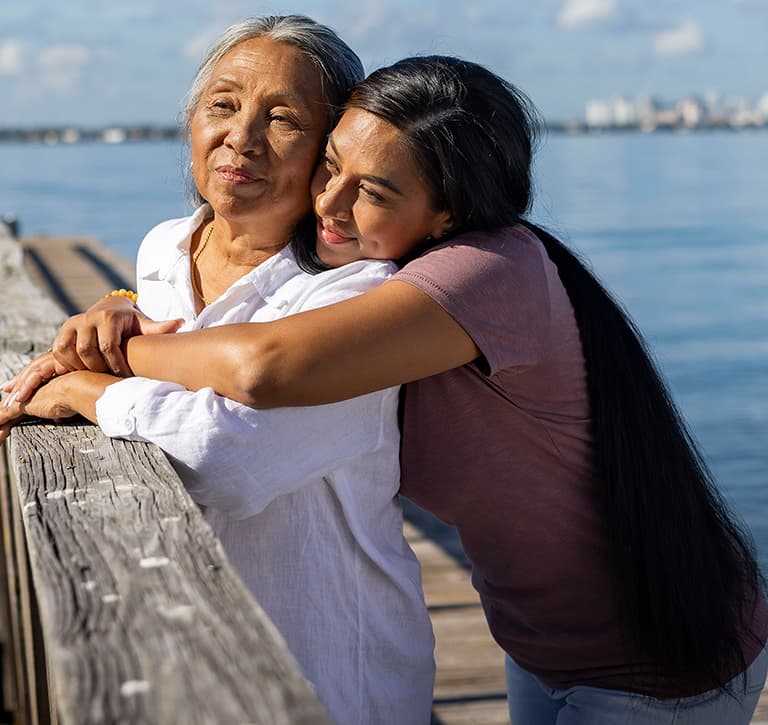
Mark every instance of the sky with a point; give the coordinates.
(94, 63)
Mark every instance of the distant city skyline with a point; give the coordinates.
(92, 65)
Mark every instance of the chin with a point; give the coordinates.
(332, 257)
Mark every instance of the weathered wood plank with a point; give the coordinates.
(13, 671)
(481, 712)
(140, 609)
(75, 271)
(28, 320)
(469, 683)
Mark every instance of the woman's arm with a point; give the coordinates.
(391, 335)
(238, 459)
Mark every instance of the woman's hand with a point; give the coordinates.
(26, 381)
(93, 339)
(48, 401)
(61, 397)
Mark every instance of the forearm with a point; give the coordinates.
(79, 391)
(389, 336)
(196, 360)
(238, 459)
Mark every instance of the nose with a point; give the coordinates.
(334, 200)
(247, 135)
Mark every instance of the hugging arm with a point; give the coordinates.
(390, 335)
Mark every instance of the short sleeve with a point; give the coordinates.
(496, 286)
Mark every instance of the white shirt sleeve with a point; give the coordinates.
(236, 458)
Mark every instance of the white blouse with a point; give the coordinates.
(303, 499)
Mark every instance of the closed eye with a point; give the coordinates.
(371, 193)
(330, 164)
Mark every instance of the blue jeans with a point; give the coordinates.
(531, 702)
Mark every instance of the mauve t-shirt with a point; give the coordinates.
(501, 448)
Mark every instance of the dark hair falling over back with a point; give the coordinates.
(685, 578)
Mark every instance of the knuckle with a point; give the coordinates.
(83, 347)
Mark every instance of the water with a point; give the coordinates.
(113, 193)
(674, 224)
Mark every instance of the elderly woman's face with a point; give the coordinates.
(257, 133)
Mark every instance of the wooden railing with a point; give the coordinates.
(117, 603)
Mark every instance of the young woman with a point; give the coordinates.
(533, 419)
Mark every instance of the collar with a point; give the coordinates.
(172, 263)
(171, 255)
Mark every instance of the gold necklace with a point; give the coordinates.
(195, 257)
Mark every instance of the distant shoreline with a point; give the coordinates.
(54, 136)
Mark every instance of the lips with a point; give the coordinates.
(236, 175)
(330, 235)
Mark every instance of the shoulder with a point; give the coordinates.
(308, 291)
(364, 271)
(477, 260)
(353, 278)
(500, 286)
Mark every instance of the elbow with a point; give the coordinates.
(259, 377)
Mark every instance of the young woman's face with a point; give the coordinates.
(257, 132)
(370, 200)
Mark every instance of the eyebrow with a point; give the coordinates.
(380, 180)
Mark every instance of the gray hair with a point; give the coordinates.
(340, 68)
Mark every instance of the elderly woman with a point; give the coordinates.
(303, 500)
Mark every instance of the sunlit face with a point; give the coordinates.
(370, 200)
(257, 132)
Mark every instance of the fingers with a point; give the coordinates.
(88, 349)
(110, 332)
(10, 409)
(93, 339)
(164, 327)
(7, 386)
(35, 374)
(64, 346)
(10, 414)
(9, 400)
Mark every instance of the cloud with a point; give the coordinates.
(686, 38)
(195, 48)
(11, 52)
(586, 13)
(62, 65)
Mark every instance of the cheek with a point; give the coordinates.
(201, 143)
(399, 236)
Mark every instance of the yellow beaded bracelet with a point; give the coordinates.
(130, 294)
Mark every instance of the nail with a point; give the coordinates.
(10, 400)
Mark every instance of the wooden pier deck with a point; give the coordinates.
(469, 688)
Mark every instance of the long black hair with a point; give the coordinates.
(685, 578)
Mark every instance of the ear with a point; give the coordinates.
(443, 224)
